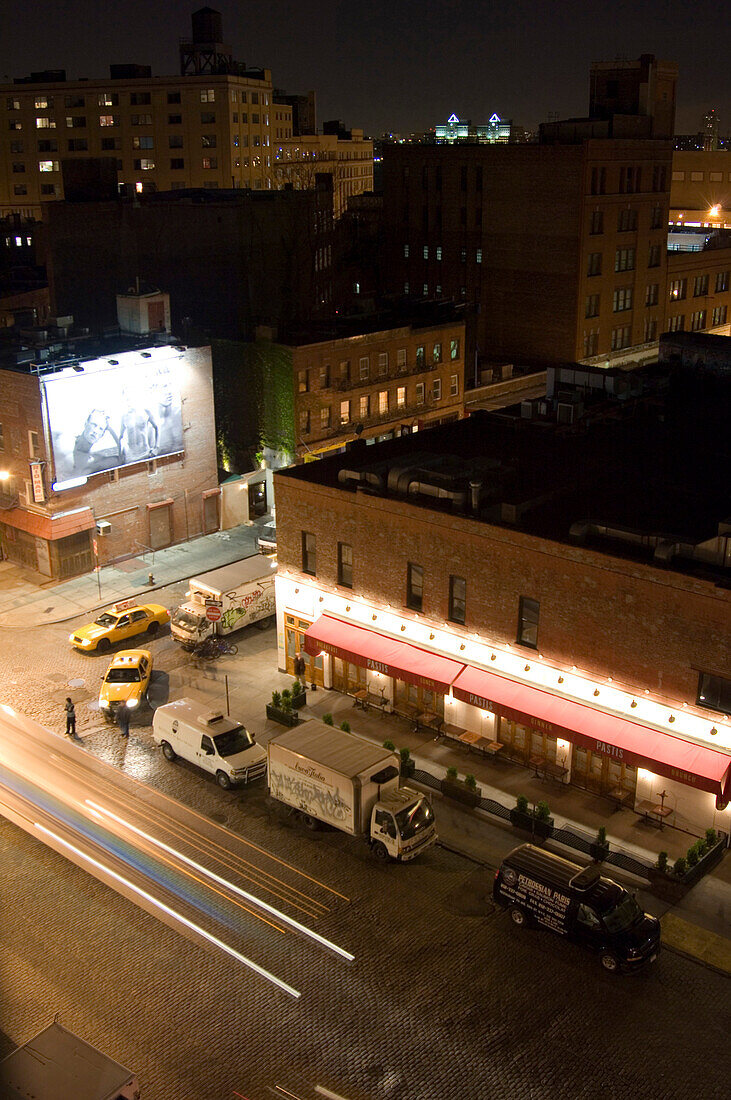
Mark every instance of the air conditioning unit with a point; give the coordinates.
(103, 527)
(564, 413)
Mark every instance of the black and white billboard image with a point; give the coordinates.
(112, 415)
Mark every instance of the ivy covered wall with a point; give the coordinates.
(254, 398)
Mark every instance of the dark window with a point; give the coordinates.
(140, 99)
(597, 222)
(528, 622)
(414, 587)
(173, 97)
(457, 599)
(463, 179)
(309, 553)
(714, 692)
(345, 564)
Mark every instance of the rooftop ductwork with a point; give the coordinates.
(715, 551)
(355, 478)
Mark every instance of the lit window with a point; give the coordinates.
(45, 123)
(478, 256)
(437, 353)
(48, 166)
(383, 402)
(414, 586)
(344, 412)
(457, 599)
(406, 252)
(439, 252)
(528, 611)
(208, 95)
(425, 251)
(401, 358)
(364, 406)
(401, 397)
(454, 349)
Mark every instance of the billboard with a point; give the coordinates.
(111, 415)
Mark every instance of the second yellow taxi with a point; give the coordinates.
(126, 681)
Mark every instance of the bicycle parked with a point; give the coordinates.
(213, 647)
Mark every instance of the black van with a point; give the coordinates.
(577, 902)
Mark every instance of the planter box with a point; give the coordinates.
(704, 864)
(299, 701)
(460, 793)
(276, 715)
(599, 852)
(408, 767)
(540, 827)
(671, 887)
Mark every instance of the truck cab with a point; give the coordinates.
(189, 625)
(403, 824)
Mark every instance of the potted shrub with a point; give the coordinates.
(599, 849)
(680, 866)
(462, 790)
(538, 822)
(390, 747)
(345, 726)
(280, 709)
(328, 719)
(298, 693)
(543, 824)
(408, 766)
(662, 862)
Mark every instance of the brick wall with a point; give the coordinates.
(645, 627)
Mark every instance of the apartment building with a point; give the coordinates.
(163, 133)
(700, 192)
(489, 579)
(315, 391)
(699, 291)
(554, 246)
(346, 155)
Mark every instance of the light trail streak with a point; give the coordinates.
(172, 913)
(197, 878)
(223, 882)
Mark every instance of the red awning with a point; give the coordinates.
(50, 527)
(381, 654)
(628, 742)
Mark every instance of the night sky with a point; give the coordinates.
(397, 64)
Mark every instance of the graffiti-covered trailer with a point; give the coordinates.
(239, 594)
(327, 775)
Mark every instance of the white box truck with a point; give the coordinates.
(243, 593)
(58, 1065)
(327, 775)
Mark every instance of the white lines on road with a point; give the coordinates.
(100, 810)
(172, 913)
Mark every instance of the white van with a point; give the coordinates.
(207, 738)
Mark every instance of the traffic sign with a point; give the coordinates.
(213, 614)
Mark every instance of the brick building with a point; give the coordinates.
(118, 450)
(229, 260)
(561, 592)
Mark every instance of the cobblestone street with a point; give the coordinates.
(445, 999)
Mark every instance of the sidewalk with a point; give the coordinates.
(22, 590)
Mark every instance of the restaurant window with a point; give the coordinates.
(414, 586)
(345, 564)
(457, 599)
(309, 553)
(714, 692)
(528, 622)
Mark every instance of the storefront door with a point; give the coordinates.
(347, 677)
(294, 641)
(600, 773)
(420, 697)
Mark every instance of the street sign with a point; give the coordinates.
(213, 614)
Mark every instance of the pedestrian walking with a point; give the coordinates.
(123, 719)
(70, 718)
(299, 667)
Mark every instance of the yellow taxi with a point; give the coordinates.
(126, 681)
(121, 621)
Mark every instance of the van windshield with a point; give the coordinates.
(624, 914)
(186, 620)
(413, 818)
(232, 741)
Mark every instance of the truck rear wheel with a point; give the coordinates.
(380, 851)
(610, 962)
(310, 822)
(518, 917)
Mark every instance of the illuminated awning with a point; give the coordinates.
(381, 654)
(626, 742)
